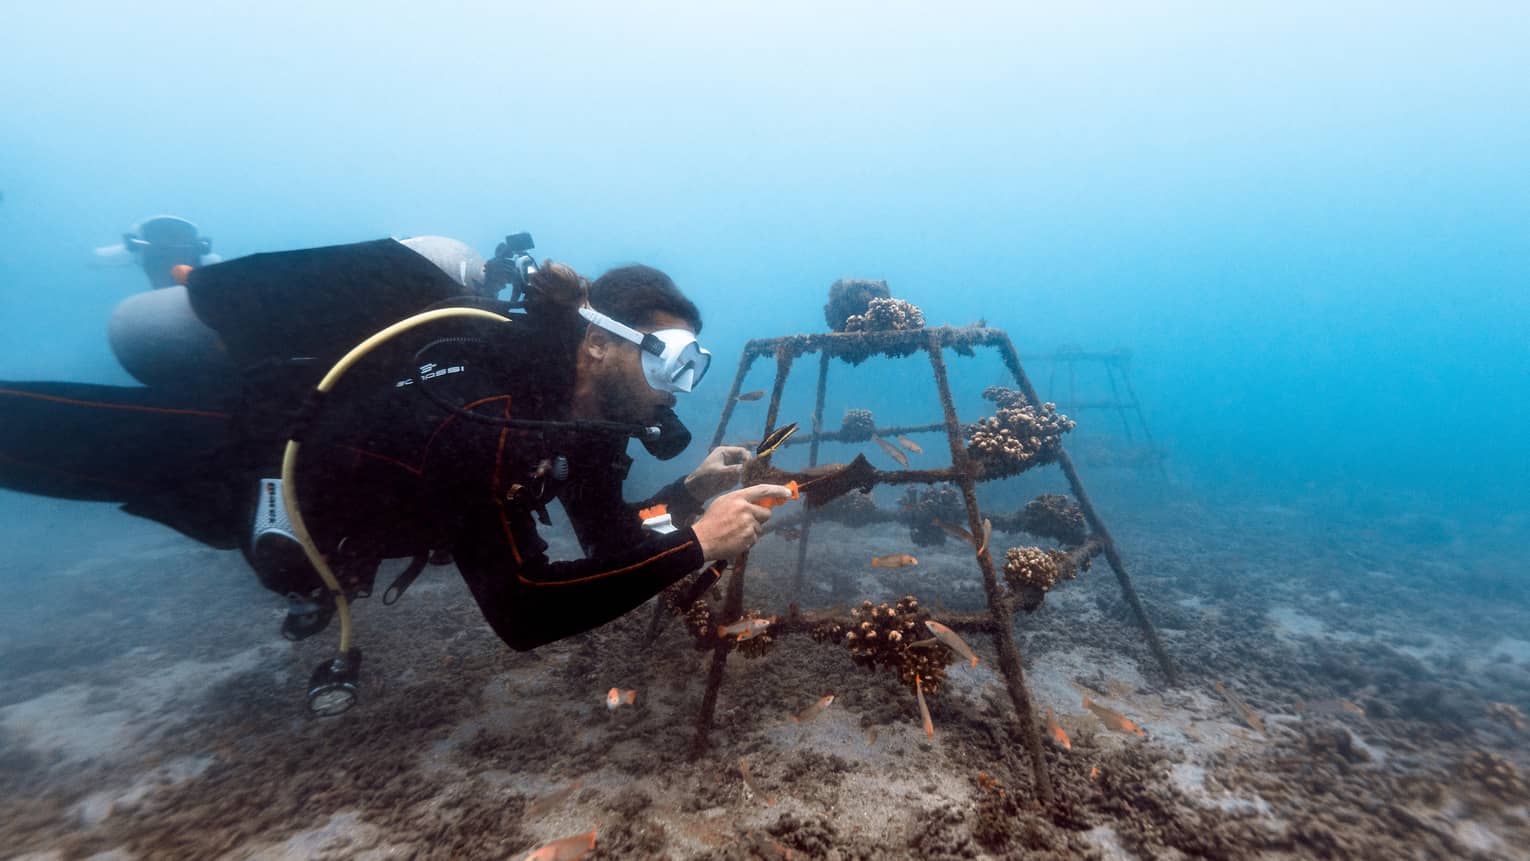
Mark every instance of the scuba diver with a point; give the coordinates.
(154, 334)
(430, 419)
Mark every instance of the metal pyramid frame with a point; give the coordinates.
(999, 621)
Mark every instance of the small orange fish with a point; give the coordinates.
(813, 710)
(987, 534)
(1094, 772)
(924, 710)
(751, 396)
(1059, 734)
(1113, 719)
(1249, 716)
(743, 769)
(743, 629)
(567, 849)
(952, 640)
(910, 445)
(989, 782)
(957, 532)
(616, 698)
(552, 799)
(891, 450)
(893, 560)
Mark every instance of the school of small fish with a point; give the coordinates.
(751, 396)
(910, 445)
(891, 450)
(893, 560)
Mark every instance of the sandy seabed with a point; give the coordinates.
(149, 708)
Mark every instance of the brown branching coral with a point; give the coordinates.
(895, 637)
(849, 297)
(922, 506)
(857, 426)
(891, 636)
(1052, 515)
(698, 621)
(886, 315)
(1032, 572)
(1018, 436)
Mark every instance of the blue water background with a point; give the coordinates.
(1308, 220)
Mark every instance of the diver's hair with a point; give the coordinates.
(634, 294)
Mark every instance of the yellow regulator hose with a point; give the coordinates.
(290, 456)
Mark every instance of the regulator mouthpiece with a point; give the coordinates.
(334, 685)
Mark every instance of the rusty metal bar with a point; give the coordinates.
(1115, 401)
(733, 603)
(807, 516)
(1096, 525)
(839, 436)
(1003, 634)
(732, 401)
(857, 343)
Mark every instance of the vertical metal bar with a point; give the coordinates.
(807, 513)
(773, 413)
(1012, 361)
(1115, 398)
(733, 607)
(733, 603)
(744, 362)
(1004, 634)
(1142, 420)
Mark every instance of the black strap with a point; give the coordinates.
(402, 582)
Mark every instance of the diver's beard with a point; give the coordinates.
(618, 405)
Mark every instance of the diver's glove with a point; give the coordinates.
(719, 472)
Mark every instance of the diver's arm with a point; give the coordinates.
(530, 601)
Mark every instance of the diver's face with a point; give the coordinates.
(623, 390)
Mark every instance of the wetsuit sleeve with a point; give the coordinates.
(682, 506)
(530, 601)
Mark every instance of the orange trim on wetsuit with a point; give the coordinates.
(624, 569)
(101, 405)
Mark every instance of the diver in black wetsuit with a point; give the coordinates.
(454, 437)
(442, 474)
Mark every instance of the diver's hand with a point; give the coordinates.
(734, 522)
(719, 473)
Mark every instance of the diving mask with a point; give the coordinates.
(673, 360)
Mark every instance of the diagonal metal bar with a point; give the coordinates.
(1096, 525)
(1004, 634)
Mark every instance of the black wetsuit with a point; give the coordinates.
(385, 470)
(390, 472)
